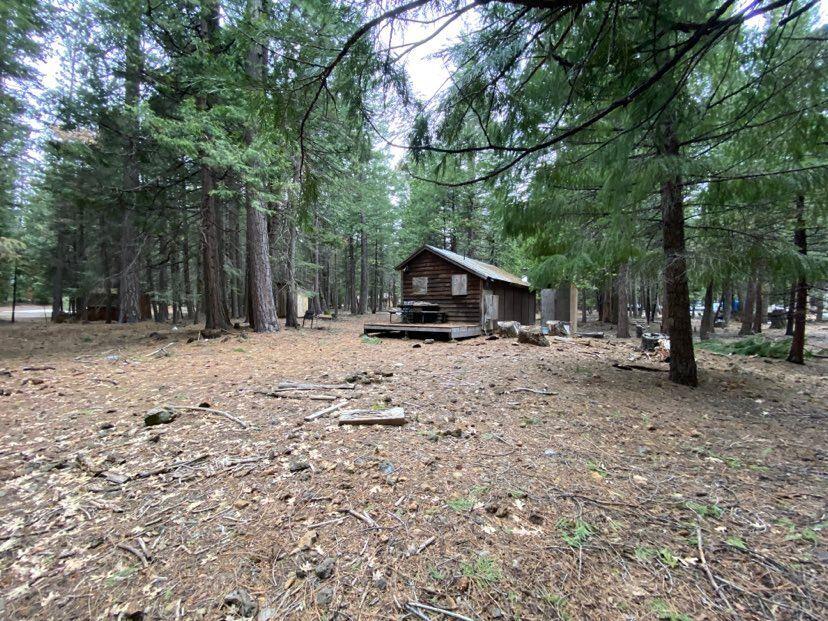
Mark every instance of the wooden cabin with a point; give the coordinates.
(467, 294)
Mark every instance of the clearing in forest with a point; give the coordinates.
(529, 482)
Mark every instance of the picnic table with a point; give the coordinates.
(418, 312)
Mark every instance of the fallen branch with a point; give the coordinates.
(716, 587)
(391, 416)
(160, 349)
(134, 551)
(448, 613)
(327, 410)
(226, 415)
(287, 394)
(38, 368)
(170, 467)
(548, 393)
(425, 544)
(637, 367)
(360, 516)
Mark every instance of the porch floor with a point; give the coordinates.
(423, 330)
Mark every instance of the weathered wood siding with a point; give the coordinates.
(514, 303)
(459, 308)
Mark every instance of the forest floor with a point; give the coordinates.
(617, 496)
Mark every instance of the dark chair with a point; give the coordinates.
(308, 315)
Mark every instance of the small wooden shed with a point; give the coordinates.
(467, 290)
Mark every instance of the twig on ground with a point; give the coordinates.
(360, 516)
(169, 467)
(45, 368)
(160, 349)
(134, 551)
(226, 415)
(448, 613)
(546, 393)
(716, 588)
(327, 410)
(425, 544)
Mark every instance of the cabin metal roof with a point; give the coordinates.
(486, 271)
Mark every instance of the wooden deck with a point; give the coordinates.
(423, 330)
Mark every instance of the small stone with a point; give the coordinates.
(159, 416)
(241, 503)
(463, 584)
(429, 341)
(379, 581)
(243, 602)
(324, 569)
(324, 596)
(106, 426)
(386, 467)
(298, 466)
(307, 540)
(416, 346)
(495, 612)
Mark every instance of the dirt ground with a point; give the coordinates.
(617, 495)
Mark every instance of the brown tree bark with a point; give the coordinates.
(363, 264)
(291, 318)
(759, 307)
(260, 303)
(216, 316)
(129, 289)
(350, 285)
(748, 306)
(789, 323)
(677, 295)
(622, 330)
(707, 315)
(797, 351)
(727, 295)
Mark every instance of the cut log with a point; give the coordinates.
(532, 337)
(649, 340)
(391, 416)
(591, 335)
(508, 329)
(327, 410)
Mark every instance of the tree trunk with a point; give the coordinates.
(351, 277)
(104, 250)
(622, 330)
(707, 315)
(797, 352)
(727, 296)
(216, 316)
(129, 290)
(759, 304)
(363, 264)
(185, 275)
(291, 318)
(819, 302)
(260, 303)
(57, 276)
(789, 325)
(261, 307)
(748, 306)
(677, 295)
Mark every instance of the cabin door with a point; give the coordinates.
(489, 310)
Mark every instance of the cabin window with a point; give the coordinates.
(419, 285)
(459, 284)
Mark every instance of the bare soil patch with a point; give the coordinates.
(620, 496)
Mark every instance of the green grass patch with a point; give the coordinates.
(756, 345)
(575, 532)
(665, 612)
(484, 570)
